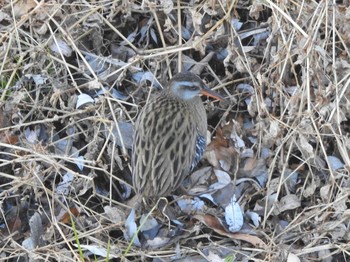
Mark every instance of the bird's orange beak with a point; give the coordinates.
(207, 92)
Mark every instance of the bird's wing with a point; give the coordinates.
(164, 148)
(199, 151)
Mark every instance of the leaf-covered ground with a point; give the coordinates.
(274, 183)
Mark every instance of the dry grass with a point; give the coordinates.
(282, 136)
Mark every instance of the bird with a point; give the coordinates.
(170, 136)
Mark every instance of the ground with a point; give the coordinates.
(274, 182)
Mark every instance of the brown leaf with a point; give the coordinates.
(219, 150)
(14, 224)
(7, 138)
(66, 218)
(215, 224)
(253, 167)
(23, 7)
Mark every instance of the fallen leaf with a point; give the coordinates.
(23, 7)
(66, 217)
(292, 258)
(98, 250)
(14, 224)
(288, 202)
(234, 216)
(219, 153)
(36, 232)
(131, 228)
(215, 224)
(253, 167)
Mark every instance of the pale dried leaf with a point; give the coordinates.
(131, 228)
(148, 223)
(324, 192)
(99, 251)
(61, 47)
(310, 189)
(114, 214)
(288, 202)
(306, 148)
(234, 215)
(167, 5)
(84, 100)
(64, 187)
(293, 258)
(190, 206)
(23, 7)
(335, 163)
(223, 179)
(36, 231)
(254, 217)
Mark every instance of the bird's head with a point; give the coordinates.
(187, 86)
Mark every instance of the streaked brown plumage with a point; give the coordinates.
(170, 136)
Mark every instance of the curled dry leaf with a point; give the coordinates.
(337, 231)
(305, 147)
(262, 208)
(131, 228)
(219, 153)
(340, 205)
(255, 9)
(288, 202)
(160, 240)
(324, 192)
(23, 7)
(196, 20)
(215, 224)
(274, 132)
(167, 6)
(253, 168)
(84, 100)
(214, 257)
(311, 188)
(114, 214)
(223, 179)
(223, 196)
(291, 179)
(200, 178)
(61, 47)
(190, 206)
(66, 218)
(254, 217)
